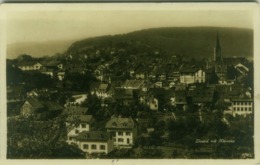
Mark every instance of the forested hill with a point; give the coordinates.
(188, 41)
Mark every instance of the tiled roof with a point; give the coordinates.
(93, 136)
(133, 83)
(81, 118)
(120, 123)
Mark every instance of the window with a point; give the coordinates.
(120, 140)
(102, 147)
(250, 109)
(238, 109)
(83, 125)
(245, 108)
(235, 108)
(120, 133)
(93, 146)
(76, 131)
(85, 146)
(128, 133)
(242, 109)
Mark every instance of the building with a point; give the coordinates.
(133, 84)
(101, 91)
(95, 142)
(217, 52)
(34, 107)
(191, 75)
(123, 130)
(76, 124)
(242, 106)
(29, 65)
(47, 71)
(31, 107)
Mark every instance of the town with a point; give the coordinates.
(130, 101)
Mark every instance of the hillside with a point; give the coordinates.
(187, 41)
(37, 49)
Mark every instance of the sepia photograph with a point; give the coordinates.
(130, 81)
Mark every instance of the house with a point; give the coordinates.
(123, 130)
(133, 84)
(57, 65)
(140, 72)
(95, 142)
(76, 124)
(101, 91)
(29, 65)
(34, 107)
(31, 107)
(242, 106)
(47, 71)
(190, 75)
(61, 74)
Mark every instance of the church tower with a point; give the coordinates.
(217, 52)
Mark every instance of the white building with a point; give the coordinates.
(95, 142)
(75, 125)
(242, 106)
(192, 75)
(123, 130)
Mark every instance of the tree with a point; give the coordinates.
(29, 138)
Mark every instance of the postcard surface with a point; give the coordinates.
(130, 83)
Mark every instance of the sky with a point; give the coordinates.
(73, 23)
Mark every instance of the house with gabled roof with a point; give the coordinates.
(123, 130)
(95, 142)
(34, 107)
(76, 124)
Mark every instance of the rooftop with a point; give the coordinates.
(120, 123)
(93, 136)
(80, 118)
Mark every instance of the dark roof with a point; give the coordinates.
(81, 118)
(133, 83)
(35, 103)
(188, 70)
(76, 110)
(93, 136)
(241, 99)
(53, 106)
(120, 123)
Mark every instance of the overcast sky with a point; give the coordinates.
(59, 24)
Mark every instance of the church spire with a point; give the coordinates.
(217, 51)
